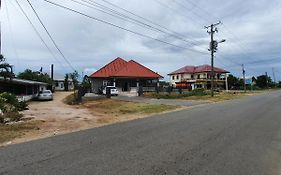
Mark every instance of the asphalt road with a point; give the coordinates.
(240, 137)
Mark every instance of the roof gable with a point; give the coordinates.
(110, 69)
(198, 69)
(122, 68)
(134, 69)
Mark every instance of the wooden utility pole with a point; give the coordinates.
(212, 49)
(273, 74)
(266, 80)
(0, 31)
(244, 78)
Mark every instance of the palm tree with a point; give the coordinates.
(6, 70)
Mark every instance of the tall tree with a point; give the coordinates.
(35, 76)
(263, 81)
(233, 82)
(74, 76)
(66, 79)
(6, 70)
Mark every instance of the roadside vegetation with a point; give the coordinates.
(10, 108)
(10, 132)
(200, 94)
(114, 110)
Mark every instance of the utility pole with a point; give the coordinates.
(266, 80)
(273, 74)
(244, 78)
(213, 49)
(0, 32)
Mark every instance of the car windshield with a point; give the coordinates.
(46, 92)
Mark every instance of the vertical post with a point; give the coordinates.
(212, 59)
(273, 74)
(0, 31)
(52, 72)
(226, 82)
(266, 80)
(212, 49)
(244, 79)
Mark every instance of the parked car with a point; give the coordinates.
(45, 95)
(113, 90)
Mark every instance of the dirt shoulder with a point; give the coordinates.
(55, 117)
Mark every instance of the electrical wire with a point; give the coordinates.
(37, 32)
(122, 28)
(48, 33)
(147, 20)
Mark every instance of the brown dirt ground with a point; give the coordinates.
(59, 118)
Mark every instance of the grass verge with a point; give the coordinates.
(10, 132)
(218, 96)
(113, 110)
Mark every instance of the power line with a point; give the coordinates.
(48, 33)
(119, 27)
(11, 30)
(132, 20)
(37, 32)
(145, 19)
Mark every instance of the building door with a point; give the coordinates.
(126, 86)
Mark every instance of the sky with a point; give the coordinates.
(170, 35)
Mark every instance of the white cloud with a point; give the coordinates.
(251, 30)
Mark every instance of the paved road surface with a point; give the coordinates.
(240, 137)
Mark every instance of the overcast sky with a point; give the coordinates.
(251, 29)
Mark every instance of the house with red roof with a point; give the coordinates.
(126, 76)
(193, 77)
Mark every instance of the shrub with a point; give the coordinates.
(10, 107)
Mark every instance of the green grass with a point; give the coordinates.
(145, 108)
(218, 96)
(10, 132)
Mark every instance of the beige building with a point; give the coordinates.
(192, 77)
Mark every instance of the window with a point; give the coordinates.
(57, 84)
(198, 76)
(173, 77)
(177, 77)
(105, 83)
(192, 76)
(61, 85)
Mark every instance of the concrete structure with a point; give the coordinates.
(24, 89)
(193, 77)
(126, 76)
(59, 83)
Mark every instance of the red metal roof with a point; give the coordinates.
(110, 69)
(122, 68)
(198, 69)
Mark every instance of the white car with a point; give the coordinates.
(45, 95)
(113, 90)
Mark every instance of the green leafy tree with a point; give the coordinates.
(66, 79)
(232, 81)
(74, 76)
(6, 70)
(263, 81)
(35, 76)
(86, 84)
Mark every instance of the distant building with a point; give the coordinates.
(59, 83)
(25, 89)
(193, 77)
(127, 76)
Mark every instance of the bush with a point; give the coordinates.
(10, 107)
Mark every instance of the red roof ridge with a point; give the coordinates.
(197, 69)
(115, 60)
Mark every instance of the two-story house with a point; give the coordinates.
(193, 77)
